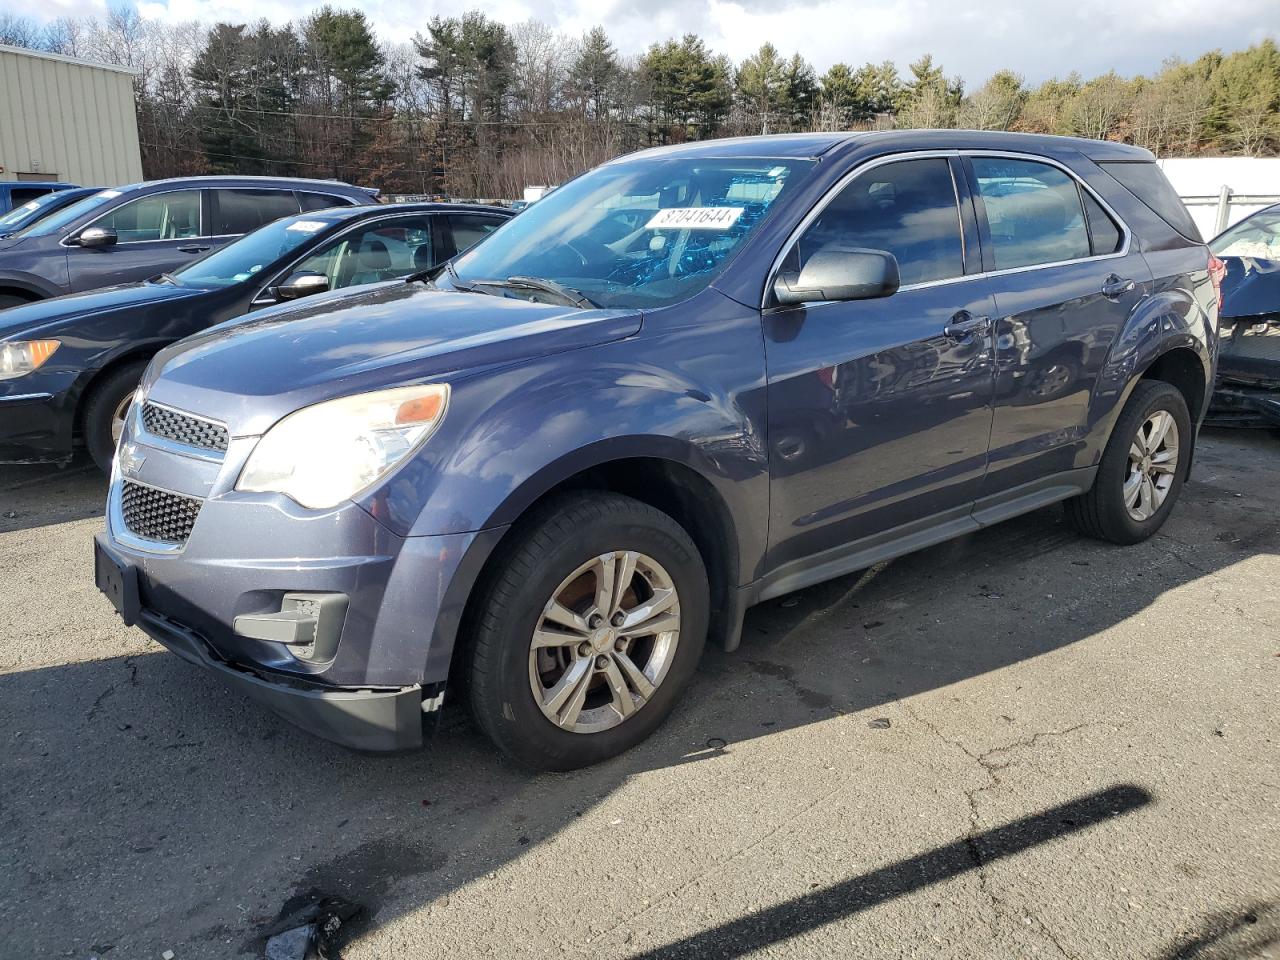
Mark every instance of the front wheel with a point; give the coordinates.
(587, 632)
(105, 408)
(1142, 468)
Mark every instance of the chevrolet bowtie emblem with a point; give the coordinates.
(130, 459)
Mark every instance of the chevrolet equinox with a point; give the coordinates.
(694, 378)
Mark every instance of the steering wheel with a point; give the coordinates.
(588, 251)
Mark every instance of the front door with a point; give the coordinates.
(880, 410)
(154, 234)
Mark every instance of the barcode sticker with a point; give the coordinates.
(694, 218)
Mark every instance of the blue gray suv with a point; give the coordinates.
(541, 477)
(129, 234)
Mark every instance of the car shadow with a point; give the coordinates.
(38, 495)
(146, 806)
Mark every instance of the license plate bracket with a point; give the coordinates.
(119, 581)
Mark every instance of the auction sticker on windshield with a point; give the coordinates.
(694, 218)
(306, 226)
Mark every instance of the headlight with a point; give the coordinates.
(18, 357)
(327, 453)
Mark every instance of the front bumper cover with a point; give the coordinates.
(372, 720)
(1240, 405)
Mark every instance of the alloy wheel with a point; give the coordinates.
(118, 416)
(604, 642)
(1153, 463)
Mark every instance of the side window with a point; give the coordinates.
(470, 229)
(1104, 233)
(21, 195)
(381, 251)
(161, 216)
(907, 208)
(321, 201)
(237, 212)
(1034, 212)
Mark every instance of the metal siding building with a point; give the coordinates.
(67, 119)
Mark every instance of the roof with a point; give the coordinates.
(814, 145)
(336, 214)
(76, 61)
(233, 180)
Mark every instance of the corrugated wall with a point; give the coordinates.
(67, 120)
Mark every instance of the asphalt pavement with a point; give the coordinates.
(1019, 744)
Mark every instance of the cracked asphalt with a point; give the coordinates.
(1019, 744)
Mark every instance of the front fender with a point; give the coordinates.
(513, 434)
(30, 284)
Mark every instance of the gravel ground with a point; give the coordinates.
(1019, 744)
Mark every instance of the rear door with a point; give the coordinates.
(468, 229)
(237, 211)
(880, 410)
(155, 234)
(1065, 278)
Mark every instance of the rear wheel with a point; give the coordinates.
(105, 409)
(586, 634)
(1142, 469)
(8, 300)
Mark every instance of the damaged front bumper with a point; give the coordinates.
(1247, 392)
(1236, 404)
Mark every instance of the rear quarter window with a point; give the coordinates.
(1147, 182)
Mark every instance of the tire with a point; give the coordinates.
(8, 300)
(101, 406)
(1105, 513)
(556, 554)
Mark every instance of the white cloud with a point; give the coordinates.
(972, 38)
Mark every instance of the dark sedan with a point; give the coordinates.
(127, 234)
(1248, 385)
(33, 211)
(68, 366)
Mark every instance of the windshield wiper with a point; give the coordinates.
(574, 297)
(431, 274)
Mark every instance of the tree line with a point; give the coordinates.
(470, 107)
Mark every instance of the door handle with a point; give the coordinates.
(192, 249)
(963, 324)
(1115, 286)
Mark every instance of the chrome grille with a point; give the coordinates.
(182, 428)
(155, 514)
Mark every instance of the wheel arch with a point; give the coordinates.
(88, 381)
(661, 480)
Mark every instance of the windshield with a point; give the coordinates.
(56, 221)
(20, 215)
(251, 253)
(635, 234)
(1259, 236)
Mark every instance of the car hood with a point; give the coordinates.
(48, 315)
(250, 372)
(1251, 287)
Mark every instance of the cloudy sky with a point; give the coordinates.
(971, 38)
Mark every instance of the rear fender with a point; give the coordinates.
(1173, 317)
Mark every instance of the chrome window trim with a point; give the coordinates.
(133, 243)
(173, 446)
(120, 533)
(874, 162)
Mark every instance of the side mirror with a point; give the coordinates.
(302, 285)
(97, 237)
(839, 273)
